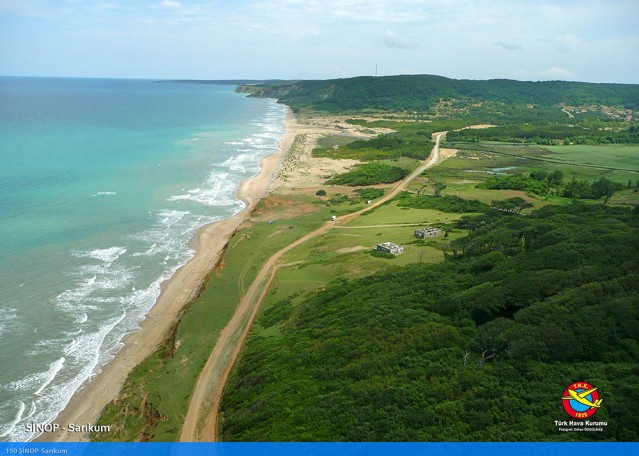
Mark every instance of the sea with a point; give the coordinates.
(103, 184)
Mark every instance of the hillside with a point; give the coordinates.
(425, 93)
(477, 348)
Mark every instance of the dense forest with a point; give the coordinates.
(477, 348)
(420, 93)
(547, 134)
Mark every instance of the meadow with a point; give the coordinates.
(157, 394)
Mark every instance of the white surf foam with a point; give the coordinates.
(108, 283)
(80, 362)
(37, 382)
(11, 426)
(7, 319)
(102, 278)
(105, 194)
(108, 255)
(219, 191)
(32, 410)
(54, 368)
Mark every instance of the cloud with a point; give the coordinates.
(395, 41)
(509, 46)
(569, 39)
(551, 73)
(557, 73)
(171, 4)
(569, 42)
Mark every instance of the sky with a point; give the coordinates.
(584, 40)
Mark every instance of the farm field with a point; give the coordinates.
(624, 156)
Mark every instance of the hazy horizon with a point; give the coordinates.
(586, 41)
(246, 80)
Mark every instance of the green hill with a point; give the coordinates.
(421, 93)
(477, 348)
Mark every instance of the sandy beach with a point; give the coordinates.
(88, 402)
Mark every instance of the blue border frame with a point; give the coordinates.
(320, 449)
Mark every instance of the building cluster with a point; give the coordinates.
(396, 249)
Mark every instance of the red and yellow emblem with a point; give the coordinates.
(581, 400)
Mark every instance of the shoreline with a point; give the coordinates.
(87, 403)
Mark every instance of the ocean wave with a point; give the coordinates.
(55, 387)
(220, 186)
(7, 319)
(102, 278)
(37, 382)
(54, 368)
(219, 191)
(108, 255)
(105, 194)
(107, 289)
(11, 426)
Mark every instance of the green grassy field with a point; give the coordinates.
(345, 253)
(391, 214)
(576, 161)
(462, 173)
(156, 395)
(624, 156)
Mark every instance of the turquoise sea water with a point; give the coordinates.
(102, 185)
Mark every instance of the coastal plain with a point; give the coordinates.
(289, 202)
(160, 332)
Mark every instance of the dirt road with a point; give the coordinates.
(201, 422)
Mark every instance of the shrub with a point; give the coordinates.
(369, 174)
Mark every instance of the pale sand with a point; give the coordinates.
(447, 153)
(478, 127)
(299, 169)
(88, 402)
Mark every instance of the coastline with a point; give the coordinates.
(87, 403)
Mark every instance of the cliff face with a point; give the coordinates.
(264, 91)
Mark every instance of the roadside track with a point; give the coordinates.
(201, 421)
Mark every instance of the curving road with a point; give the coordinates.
(201, 421)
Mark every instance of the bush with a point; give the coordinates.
(370, 174)
(515, 182)
(370, 193)
(378, 254)
(446, 203)
(320, 193)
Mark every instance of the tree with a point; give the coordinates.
(438, 188)
(578, 189)
(604, 188)
(512, 205)
(320, 193)
(539, 175)
(555, 178)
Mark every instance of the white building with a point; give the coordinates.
(389, 247)
(423, 233)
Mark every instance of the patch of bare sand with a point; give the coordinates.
(357, 248)
(276, 208)
(298, 168)
(478, 127)
(445, 154)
